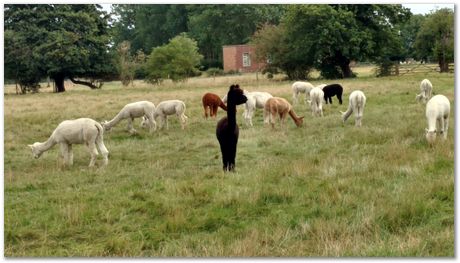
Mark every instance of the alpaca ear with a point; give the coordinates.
(30, 146)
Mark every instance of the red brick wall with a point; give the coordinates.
(233, 58)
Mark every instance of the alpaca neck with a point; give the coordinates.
(113, 121)
(45, 146)
(293, 115)
(231, 114)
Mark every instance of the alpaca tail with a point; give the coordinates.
(100, 143)
(347, 114)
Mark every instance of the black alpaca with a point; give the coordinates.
(331, 91)
(227, 130)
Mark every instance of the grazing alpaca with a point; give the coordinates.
(131, 111)
(281, 107)
(79, 131)
(256, 99)
(437, 115)
(300, 87)
(316, 103)
(357, 101)
(212, 101)
(227, 130)
(332, 90)
(425, 91)
(165, 108)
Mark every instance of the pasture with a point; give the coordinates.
(324, 190)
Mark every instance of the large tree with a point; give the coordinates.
(436, 38)
(329, 37)
(60, 41)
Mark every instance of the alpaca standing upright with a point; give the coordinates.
(227, 130)
(212, 102)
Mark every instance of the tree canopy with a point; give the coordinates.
(177, 60)
(329, 37)
(58, 41)
(436, 38)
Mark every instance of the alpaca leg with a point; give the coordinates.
(70, 154)
(152, 123)
(224, 151)
(446, 127)
(130, 125)
(102, 149)
(166, 120)
(65, 152)
(441, 126)
(231, 155)
(214, 110)
(205, 112)
(272, 119)
(340, 98)
(93, 152)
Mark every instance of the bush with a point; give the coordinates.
(177, 60)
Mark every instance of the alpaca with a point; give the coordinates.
(227, 130)
(131, 111)
(300, 87)
(256, 99)
(357, 101)
(316, 103)
(212, 101)
(437, 115)
(165, 108)
(79, 131)
(281, 107)
(332, 90)
(425, 91)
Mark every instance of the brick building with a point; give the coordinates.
(240, 58)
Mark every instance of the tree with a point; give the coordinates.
(128, 64)
(436, 38)
(177, 60)
(409, 32)
(149, 26)
(329, 37)
(271, 44)
(60, 41)
(214, 26)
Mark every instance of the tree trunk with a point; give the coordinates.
(346, 70)
(443, 66)
(59, 82)
(89, 84)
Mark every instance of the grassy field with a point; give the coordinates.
(326, 189)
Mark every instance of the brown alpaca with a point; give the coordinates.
(281, 107)
(212, 101)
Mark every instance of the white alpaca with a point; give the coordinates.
(165, 108)
(357, 101)
(131, 111)
(316, 101)
(79, 131)
(301, 87)
(256, 100)
(425, 91)
(437, 115)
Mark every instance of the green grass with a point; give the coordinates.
(326, 189)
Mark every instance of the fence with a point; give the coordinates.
(407, 69)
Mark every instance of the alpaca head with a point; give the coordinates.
(299, 121)
(144, 122)
(236, 95)
(35, 150)
(105, 126)
(430, 136)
